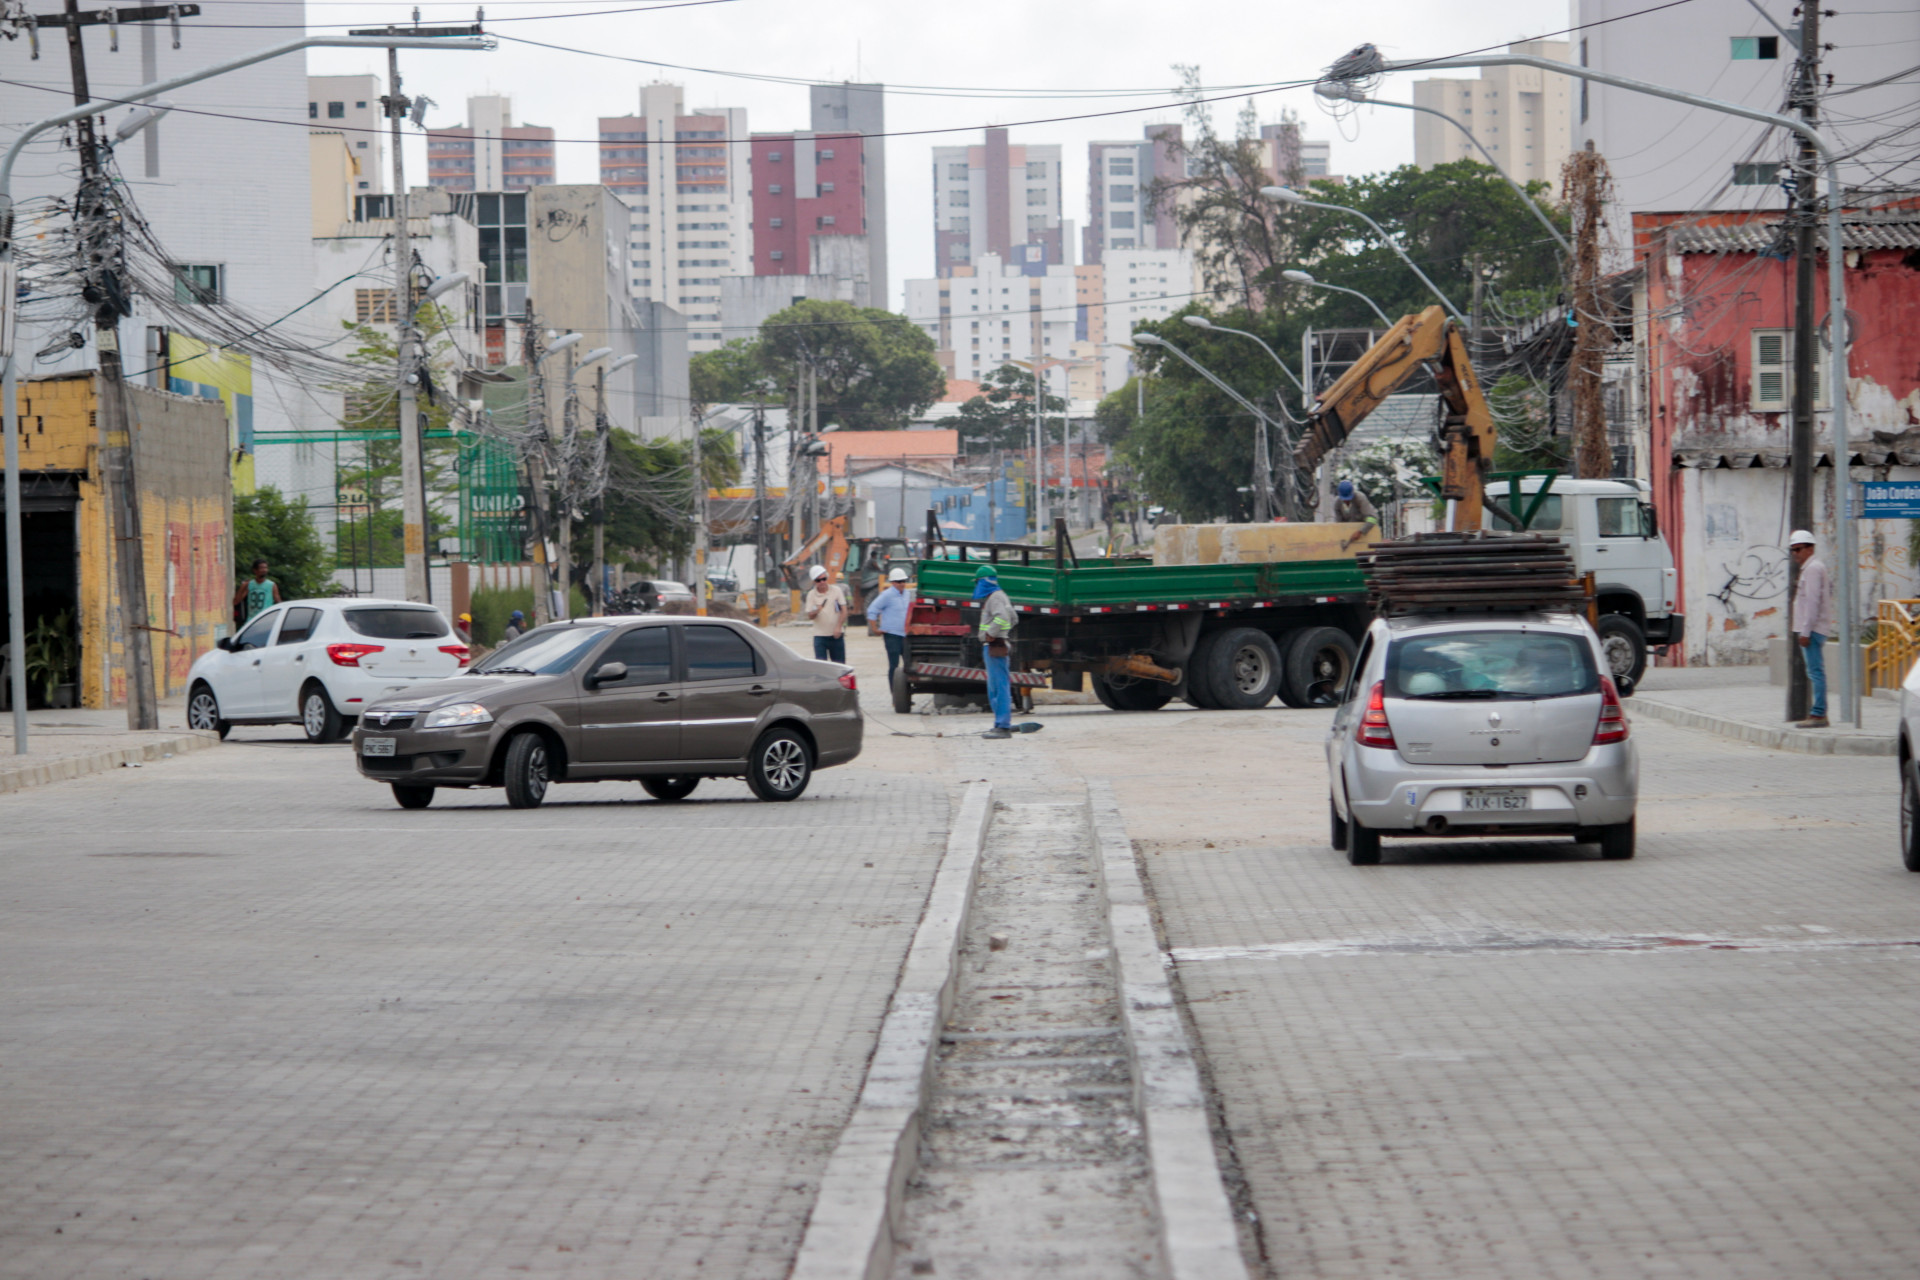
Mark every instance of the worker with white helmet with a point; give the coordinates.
(826, 605)
(1813, 623)
(887, 617)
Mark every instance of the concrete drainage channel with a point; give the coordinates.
(1033, 1107)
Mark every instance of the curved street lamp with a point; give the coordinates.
(1287, 195)
(1263, 474)
(1306, 278)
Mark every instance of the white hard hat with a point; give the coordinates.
(818, 571)
(1800, 538)
(897, 575)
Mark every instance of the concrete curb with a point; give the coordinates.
(36, 773)
(1197, 1233)
(1813, 742)
(852, 1228)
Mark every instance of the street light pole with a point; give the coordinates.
(1287, 195)
(9, 379)
(1306, 278)
(1262, 481)
(1846, 553)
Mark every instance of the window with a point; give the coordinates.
(1037, 170)
(957, 172)
(1036, 197)
(775, 157)
(1121, 194)
(360, 106)
(1120, 168)
(776, 256)
(313, 111)
(1756, 48)
(1755, 175)
(1619, 517)
(374, 306)
(1546, 519)
(774, 190)
(299, 625)
(718, 653)
(961, 226)
(336, 111)
(360, 145)
(824, 155)
(958, 199)
(546, 651)
(648, 654)
(1772, 384)
(826, 221)
(1120, 221)
(198, 285)
(397, 623)
(776, 223)
(1491, 665)
(257, 632)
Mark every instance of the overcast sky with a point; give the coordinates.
(1042, 47)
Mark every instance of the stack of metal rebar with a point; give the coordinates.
(1472, 572)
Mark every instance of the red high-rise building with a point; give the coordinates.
(805, 184)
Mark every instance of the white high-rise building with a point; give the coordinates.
(1141, 285)
(1520, 114)
(999, 198)
(984, 316)
(686, 177)
(351, 104)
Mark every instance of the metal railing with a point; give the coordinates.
(1896, 643)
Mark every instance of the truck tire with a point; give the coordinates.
(1141, 695)
(1319, 663)
(1284, 643)
(1625, 645)
(1104, 691)
(1243, 669)
(1199, 686)
(901, 690)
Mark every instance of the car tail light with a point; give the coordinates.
(1374, 731)
(459, 651)
(1613, 717)
(349, 655)
(848, 683)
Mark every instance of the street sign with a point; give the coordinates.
(1891, 499)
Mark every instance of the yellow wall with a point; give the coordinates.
(334, 169)
(186, 514)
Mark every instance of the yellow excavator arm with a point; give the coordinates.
(1425, 340)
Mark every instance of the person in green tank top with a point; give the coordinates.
(256, 595)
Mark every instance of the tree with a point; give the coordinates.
(1001, 417)
(874, 370)
(267, 526)
(650, 498)
(733, 374)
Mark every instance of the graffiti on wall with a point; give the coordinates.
(1758, 574)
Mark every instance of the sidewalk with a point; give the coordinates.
(1740, 703)
(74, 742)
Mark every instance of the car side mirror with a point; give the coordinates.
(224, 644)
(608, 673)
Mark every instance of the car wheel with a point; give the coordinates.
(1318, 665)
(780, 765)
(1909, 817)
(412, 797)
(1339, 836)
(1625, 647)
(1199, 686)
(1363, 845)
(1243, 669)
(676, 787)
(901, 690)
(528, 771)
(317, 715)
(1616, 841)
(203, 712)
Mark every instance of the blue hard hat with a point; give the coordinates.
(519, 616)
(1346, 489)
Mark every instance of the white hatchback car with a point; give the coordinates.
(316, 663)
(1476, 725)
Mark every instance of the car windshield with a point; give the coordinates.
(673, 588)
(545, 652)
(1491, 665)
(397, 623)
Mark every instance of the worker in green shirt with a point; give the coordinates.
(997, 621)
(257, 594)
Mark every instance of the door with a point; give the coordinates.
(240, 684)
(635, 721)
(727, 690)
(283, 664)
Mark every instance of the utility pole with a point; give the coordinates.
(1476, 316)
(1586, 185)
(565, 487)
(98, 227)
(760, 512)
(536, 446)
(413, 486)
(1805, 220)
(699, 521)
(602, 426)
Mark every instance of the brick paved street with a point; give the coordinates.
(258, 1021)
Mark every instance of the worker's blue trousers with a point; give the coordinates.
(1000, 691)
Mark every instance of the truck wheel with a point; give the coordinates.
(1243, 669)
(1199, 688)
(1141, 695)
(1104, 691)
(1284, 643)
(1318, 666)
(902, 691)
(1625, 645)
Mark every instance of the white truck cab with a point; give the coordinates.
(1611, 529)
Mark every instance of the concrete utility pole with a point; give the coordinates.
(1586, 185)
(760, 513)
(1805, 220)
(413, 471)
(565, 487)
(699, 521)
(536, 461)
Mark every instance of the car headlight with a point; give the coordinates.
(458, 714)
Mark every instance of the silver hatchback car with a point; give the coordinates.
(1477, 725)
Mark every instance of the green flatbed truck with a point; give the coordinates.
(1221, 636)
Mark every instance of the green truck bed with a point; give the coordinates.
(1101, 586)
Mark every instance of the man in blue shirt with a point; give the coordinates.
(887, 617)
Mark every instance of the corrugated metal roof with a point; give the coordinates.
(1858, 231)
